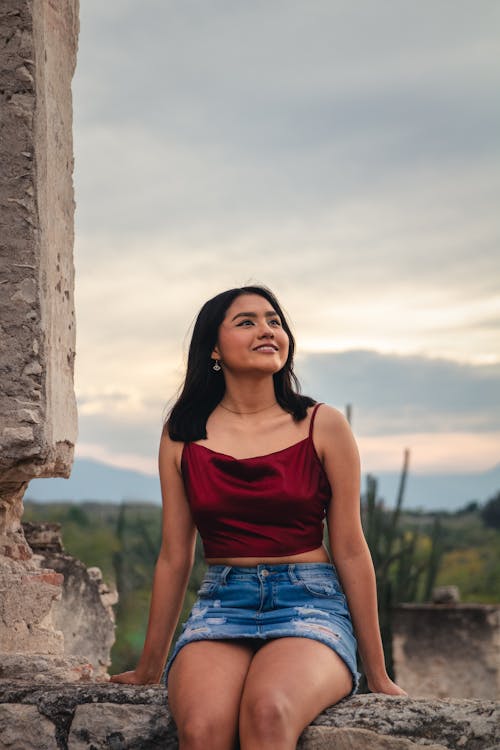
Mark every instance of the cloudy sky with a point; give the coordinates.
(346, 154)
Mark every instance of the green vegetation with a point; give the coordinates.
(406, 560)
(491, 512)
(470, 552)
(412, 550)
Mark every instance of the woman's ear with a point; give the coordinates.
(215, 353)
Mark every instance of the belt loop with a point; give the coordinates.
(291, 572)
(225, 573)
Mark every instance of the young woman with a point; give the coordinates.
(256, 467)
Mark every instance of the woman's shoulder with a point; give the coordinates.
(328, 416)
(330, 427)
(170, 451)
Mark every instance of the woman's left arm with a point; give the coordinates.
(338, 450)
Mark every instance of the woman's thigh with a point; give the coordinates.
(205, 683)
(293, 679)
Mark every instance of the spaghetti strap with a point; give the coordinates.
(311, 423)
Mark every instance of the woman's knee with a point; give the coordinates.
(267, 714)
(202, 731)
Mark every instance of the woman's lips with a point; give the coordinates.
(268, 348)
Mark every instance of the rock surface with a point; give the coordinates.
(37, 669)
(23, 728)
(27, 595)
(447, 650)
(326, 738)
(38, 42)
(111, 725)
(95, 717)
(38, 420)
(83, 614)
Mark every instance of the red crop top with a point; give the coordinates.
(269, 505)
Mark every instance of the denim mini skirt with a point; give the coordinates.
(272, 601)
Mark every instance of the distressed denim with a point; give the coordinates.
(272, 601)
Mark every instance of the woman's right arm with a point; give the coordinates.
(172, 569)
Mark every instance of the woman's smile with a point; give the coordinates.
(266, 348)
(252, 326)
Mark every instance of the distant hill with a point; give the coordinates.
(444, 491)
(93, 480)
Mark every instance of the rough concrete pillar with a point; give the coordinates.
(38, 424)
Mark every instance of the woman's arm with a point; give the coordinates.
(351, 556)
(172, 569)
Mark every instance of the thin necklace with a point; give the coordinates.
(233, 411)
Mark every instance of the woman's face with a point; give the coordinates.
(251, 337)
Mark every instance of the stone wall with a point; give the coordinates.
(84, 612)
(82, 616)
(448, 650)
(38, 40)
(137, 718)
(38, 426)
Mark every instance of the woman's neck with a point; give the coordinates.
(248, 396)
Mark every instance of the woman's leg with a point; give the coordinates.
(205, 683)
(290, 681)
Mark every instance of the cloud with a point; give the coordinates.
(345, 154)
(406, 394)
(430, 452)
(447, 413)
(225, 116)
(296, 143)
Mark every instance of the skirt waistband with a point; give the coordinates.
(277, 568)
(263, 571)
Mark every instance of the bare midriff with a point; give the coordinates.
(311, 556)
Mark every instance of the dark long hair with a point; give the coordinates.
(203, 388)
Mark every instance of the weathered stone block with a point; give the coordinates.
(38, 668)
(83, 612)
(327, 738)
(138, 718)
(448, 651)
(106, 725)
(38, 426)
(26, 599)
(23, 728)
(38, 42)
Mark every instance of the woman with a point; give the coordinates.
(255, 466)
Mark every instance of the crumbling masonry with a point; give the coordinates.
(38, 423)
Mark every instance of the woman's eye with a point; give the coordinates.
(244, 322)
(275, 321)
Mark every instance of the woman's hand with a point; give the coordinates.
(386, 686)
(134, 677)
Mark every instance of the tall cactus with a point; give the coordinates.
(435, 555)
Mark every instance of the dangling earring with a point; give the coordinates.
(216, 367)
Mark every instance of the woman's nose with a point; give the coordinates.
(266, 331)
